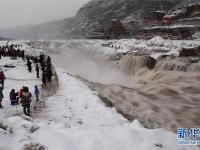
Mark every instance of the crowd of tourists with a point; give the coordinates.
(42, 65)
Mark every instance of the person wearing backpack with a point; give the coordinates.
(26, 101)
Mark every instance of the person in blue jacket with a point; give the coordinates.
(37, 93)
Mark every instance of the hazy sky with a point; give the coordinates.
(29, 12)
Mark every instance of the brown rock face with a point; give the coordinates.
(186, 52)
(151, 62)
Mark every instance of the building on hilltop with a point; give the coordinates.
(114, 30)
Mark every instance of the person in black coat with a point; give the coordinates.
(1, 97)
(22, 55)
(37, 70)
(14, 99)
(41, 60)
(29, 65)
(48, 60)
(49, 73)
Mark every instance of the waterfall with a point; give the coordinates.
(131, 63)
(195, 67)
(170, 65)
(178, 64)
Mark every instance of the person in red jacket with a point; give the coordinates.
(21, 92)
(2, 78)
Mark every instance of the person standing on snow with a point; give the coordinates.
(13, 97)
(48, 60)
(37, 70)
(37, 93)
(2, 78)
(49, 73)
(29, 65)
(26, 101)
(41, 60)
(1, 96)
(21, 91)
(23, 55)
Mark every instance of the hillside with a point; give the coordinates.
(181, 22)
(91, 19)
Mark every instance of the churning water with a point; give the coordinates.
(130, 64)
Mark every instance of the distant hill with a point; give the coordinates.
(93, 16)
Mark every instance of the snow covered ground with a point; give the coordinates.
(15, 79)
(74, 119)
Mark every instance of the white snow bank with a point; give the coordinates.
(157, 40)
(17, 133)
